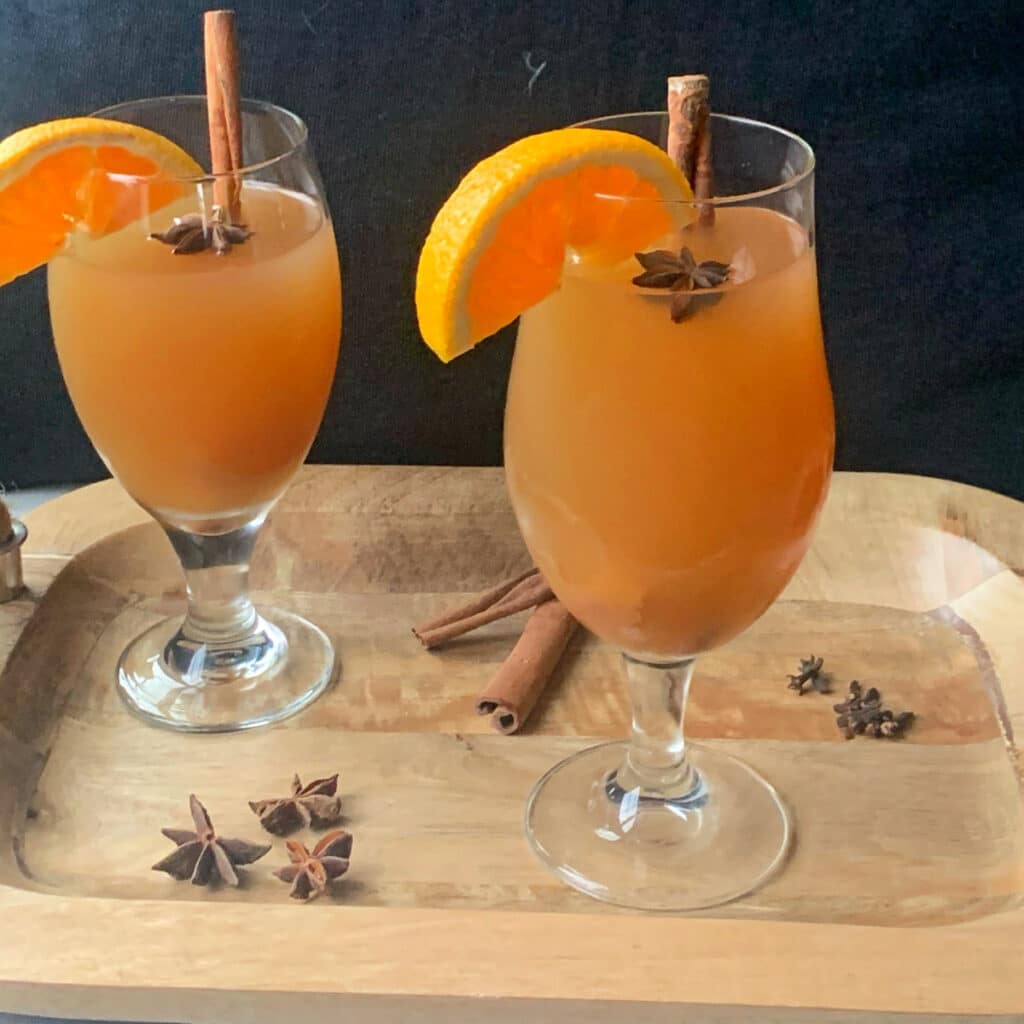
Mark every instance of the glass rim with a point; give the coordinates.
(727, 200)
(208, 176)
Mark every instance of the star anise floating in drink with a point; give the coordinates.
(194, 233)
(311, 872)
(681, 274)
(202, 856)
(316, 804)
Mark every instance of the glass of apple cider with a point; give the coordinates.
(198, 343)
(668, 446)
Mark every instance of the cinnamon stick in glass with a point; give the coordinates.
(223, 104)
(689, 137)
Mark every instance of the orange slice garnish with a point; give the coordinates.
(500, 242)
(60, 175)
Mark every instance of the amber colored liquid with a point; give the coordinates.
(201, 380)
(667, 477)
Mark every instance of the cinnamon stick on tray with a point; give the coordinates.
(515, 595)
(515, 689)
(518, 684)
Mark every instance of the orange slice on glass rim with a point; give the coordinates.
(500, 242)
(60, 175)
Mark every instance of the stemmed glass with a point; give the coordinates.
(201, 378)
(667, 457)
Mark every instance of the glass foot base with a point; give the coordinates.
(282, 665)
(720, 842)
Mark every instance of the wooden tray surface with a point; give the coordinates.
(906, 883)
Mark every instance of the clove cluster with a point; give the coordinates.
(862, 713)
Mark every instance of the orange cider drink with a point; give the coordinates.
(668, 446)
(666, 475)
(202, 380)
(197, 316)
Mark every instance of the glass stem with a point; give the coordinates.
(222, 631)
(217, 580)
(656, 761)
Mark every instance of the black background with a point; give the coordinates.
(915, 111)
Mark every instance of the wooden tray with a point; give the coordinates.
(905, 891)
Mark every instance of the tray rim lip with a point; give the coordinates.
(998, 939)
(878, 984)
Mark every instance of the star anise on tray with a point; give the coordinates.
(862, 714)
(310, 873)
(681, 274)
(193, 233)
(810, 674)
(202, 855)
(316, 804)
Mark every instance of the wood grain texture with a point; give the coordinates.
(910, 856)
